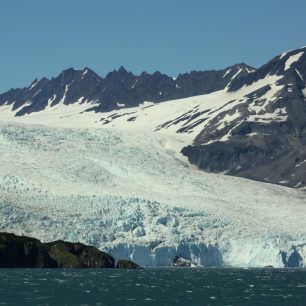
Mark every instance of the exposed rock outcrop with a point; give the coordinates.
(126, 264)
(78, 255)
(26, 252)
(292, 258)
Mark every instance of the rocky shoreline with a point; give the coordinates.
(25, 252)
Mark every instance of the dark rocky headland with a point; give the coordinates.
(26, 252)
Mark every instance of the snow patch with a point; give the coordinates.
(64, 95)
(227, 72)
(252, 134)
(299, 74)
(135, 83)
(33, 85)
(283, 182)
(37, 92)
(249, 70)
(236, 74)
(301, 163)
(292, 59)
(304, 92)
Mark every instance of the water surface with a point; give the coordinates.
(153, 287)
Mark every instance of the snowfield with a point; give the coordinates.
(129, 192)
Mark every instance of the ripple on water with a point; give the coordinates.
(167, 287)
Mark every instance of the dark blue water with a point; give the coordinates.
(153, 287)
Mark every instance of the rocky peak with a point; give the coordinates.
(118, 75)
(118, 87)
(286, 64)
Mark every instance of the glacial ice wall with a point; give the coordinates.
(131, 194)
(152, 234)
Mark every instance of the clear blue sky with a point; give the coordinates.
(41, 38)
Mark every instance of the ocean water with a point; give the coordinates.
(169, 286)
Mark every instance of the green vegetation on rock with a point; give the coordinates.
(77, 255)
(26, 252)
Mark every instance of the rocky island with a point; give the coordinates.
(25, 252)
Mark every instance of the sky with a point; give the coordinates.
(42, 38)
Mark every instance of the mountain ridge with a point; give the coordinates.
(119, 88)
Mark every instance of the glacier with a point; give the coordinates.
(130, 192)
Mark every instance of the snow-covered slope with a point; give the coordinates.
(183, 118)
(130, 194)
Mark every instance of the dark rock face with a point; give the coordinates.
(293, 259)
(126, 264)
(77, 255)
(266, 139)
(119, 89)
(70, 86)
(25, 252)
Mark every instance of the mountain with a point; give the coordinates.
(246, 122)
(123, 174)
(261, 135)
(119, 89)
(239, 121)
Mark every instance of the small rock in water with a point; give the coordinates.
(180, 261)
(126, 264)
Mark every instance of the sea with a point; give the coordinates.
(153, 286)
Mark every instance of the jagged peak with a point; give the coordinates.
(122, 70)
(70, 75)
(242, 66)
(157, 73)
(37, 82)
(120, 73)
(89, 73)
(69, 70)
